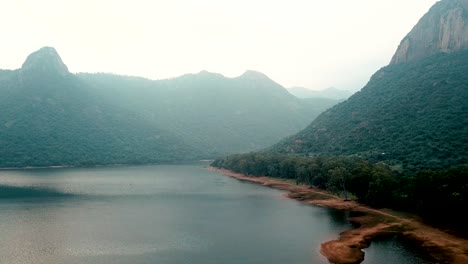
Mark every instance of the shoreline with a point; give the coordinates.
(101, 165)
(369, 225)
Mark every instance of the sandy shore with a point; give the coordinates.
(372, 223)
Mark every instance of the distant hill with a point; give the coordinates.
(220, 114)
(412, 113)
(330, 93)
(53, 117)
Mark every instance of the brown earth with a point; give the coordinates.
(372, 223)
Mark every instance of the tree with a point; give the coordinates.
(339, 177)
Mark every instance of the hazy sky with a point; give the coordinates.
(310, 43)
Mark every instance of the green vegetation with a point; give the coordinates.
(210, 111)
(411, 115)
(59, 121)
(370, 183)
(438, 195)
(52, 117)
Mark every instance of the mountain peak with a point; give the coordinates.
(443, 29)
(330, 93)
(45, 61)
(205, 73)
(250, 74)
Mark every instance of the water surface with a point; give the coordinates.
(161, 214)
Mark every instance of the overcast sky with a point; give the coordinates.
(310, 43)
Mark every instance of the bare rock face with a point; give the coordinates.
(45, 61)
(443, 29)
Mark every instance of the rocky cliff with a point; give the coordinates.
(443, 29)
(45, 61)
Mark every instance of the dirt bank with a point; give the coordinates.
(372, 223)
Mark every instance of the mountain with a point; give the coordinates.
(223, 115)
(412, 113)
(443, 29)
(45, 61)
(53, 117)
(330, 93)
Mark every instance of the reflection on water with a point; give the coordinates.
(15, 192)
(158, 214)
(338, 216)
(389, 250)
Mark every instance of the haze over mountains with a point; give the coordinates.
(330, 93)
(214, 112)
(412, 113)
(52, 117)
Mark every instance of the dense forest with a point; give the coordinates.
(439, 196)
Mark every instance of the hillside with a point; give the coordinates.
(220, 114)
(412, 114)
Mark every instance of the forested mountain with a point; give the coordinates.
(329, 93)
(412, 113)
(53, 117)
(220, 114)
(50, 117)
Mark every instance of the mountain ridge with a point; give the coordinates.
(53, 117)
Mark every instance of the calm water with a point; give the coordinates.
(162, 214)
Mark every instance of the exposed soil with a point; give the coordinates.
(372, 223)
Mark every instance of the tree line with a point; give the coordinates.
(439, 196)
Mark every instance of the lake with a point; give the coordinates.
(163, 214)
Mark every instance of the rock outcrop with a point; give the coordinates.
(45, 61)
(443, 29)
